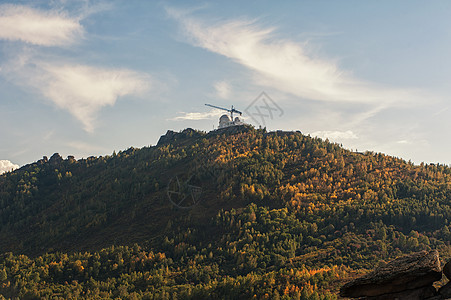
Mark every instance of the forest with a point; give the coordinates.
(276, 215)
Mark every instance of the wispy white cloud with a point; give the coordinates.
(287, 65)
(77, 88)
(336, 135)
(404, 142)
(81, 90)
(84, 90)
(6, 166)
(198, 115)
(38, 27)
(223, 89)
(440, 111)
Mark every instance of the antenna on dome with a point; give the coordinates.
(231, 111)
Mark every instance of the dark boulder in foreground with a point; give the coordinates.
(447, 270)
(445, 291)
(408, 277)
(427, 292)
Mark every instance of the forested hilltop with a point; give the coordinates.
(265, 215)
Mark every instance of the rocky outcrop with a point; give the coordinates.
(447, 270)
(426, 292)
(55, 159)
(409, 277)
(167, 138)
(172, 136)
(445, 291)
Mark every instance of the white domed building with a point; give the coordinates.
(238, 121)
(224, 121)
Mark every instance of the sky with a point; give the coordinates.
(86, 78)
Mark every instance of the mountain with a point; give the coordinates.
(234, 213)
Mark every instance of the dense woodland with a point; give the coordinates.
(280, 215)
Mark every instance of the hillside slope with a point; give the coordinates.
(249, 203)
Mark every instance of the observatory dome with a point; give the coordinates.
(224, 118)
(224, 121)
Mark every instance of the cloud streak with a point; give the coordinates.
(6, 166)
(286, 65)
(43, 28)
(80, 89)
(198, 116)
(84, 90)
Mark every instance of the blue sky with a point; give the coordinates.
(86, 78)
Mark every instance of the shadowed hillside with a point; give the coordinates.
(198, 214)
